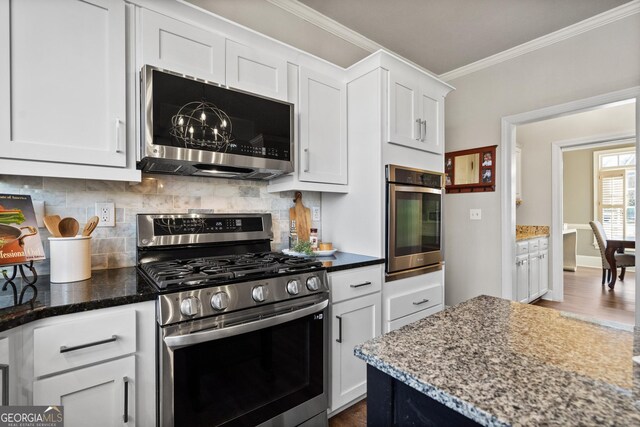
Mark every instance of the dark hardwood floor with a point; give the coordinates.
(585, 295)
(355, 416)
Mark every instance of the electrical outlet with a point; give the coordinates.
(315, 213)
(106, 213)
(475, 214)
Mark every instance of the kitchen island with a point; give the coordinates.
(495, 362)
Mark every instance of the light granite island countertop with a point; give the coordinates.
(499, 363)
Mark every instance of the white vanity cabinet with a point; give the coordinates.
(532, 269)
(63, 89)
(99, 365)
(416, 110)
(180, 47)
(355, 318)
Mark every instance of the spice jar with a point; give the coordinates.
(313, 238)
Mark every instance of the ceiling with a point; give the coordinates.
(439, 35)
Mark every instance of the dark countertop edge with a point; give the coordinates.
(43, 312)
(455, 403)
(357, 264)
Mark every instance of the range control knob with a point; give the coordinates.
(190, 306)
(313, 283)
(259, 293)
(293, 287)
(220, 301)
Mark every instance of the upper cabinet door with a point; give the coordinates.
(180, 47)
(323, 129)
(404, 120)
(430, 138)
(62, 81)
(252, 70)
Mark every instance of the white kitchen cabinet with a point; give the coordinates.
(532, 269)
(355, 318)
(104, 394)
(184, 48)
(522, 278)
(543, 260)
(323, 128)
(353, 322)
(92, 362)
(255, 71)
(62, 85)
(518, 175)
(416, 111)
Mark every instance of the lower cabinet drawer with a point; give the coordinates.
(84, 340)
(405, 304)
(354, 283)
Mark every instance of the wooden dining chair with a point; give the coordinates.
(622, 260)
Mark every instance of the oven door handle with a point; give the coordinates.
(416, 189)
(178, 341)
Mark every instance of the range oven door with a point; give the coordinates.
(413, 227)
(267, 372)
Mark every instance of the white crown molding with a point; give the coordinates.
(337, 29)
(589, 24)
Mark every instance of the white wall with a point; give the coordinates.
(535, 139)
(596, 62)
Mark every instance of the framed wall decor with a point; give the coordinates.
(470, 171)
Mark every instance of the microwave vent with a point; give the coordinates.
(163, 167)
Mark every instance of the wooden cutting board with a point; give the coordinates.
(302, 217)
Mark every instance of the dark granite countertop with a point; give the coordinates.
(346, 261)
(106, 288)
(503, 363)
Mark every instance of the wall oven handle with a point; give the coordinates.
(65, 349)
(418, 129)
(359, 285)
(5, 384)
(414, 189)
(125, 416)
(339, 339)
(178, 341)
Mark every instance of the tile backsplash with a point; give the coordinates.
(114, 247)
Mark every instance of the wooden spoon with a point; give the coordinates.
(52, 222)
(68, 227)
(90, 226)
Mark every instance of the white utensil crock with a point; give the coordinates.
(70, 258)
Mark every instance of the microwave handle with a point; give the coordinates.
(412, 189)
(175, 342)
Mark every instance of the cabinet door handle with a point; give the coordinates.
(5, 384)
(119, 148)
(420, 302)
(423, 132)
(359, 285)
(65, 349)
(339, 339)
(306, 160)
(125, 416)
(418, 130)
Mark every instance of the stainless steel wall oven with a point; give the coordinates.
(414, 221)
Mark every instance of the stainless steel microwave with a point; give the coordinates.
(414, 221)
(194, 127)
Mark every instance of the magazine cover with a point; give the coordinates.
(19, 238)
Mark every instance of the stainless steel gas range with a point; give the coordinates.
(242, 331)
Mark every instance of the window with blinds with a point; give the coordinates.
(616, 192)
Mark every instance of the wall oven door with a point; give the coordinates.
(246, 368)
(413, 227)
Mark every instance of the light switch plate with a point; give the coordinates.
(475, 214)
